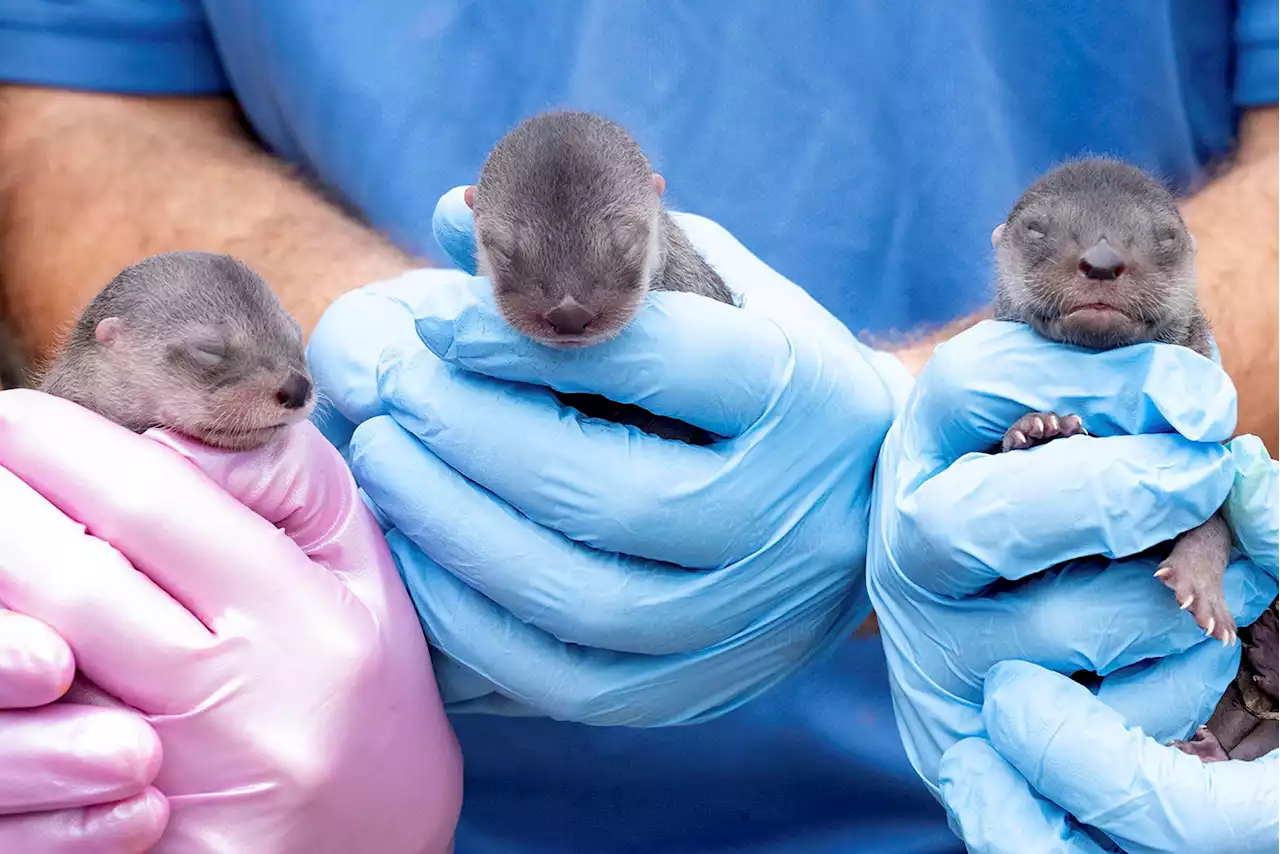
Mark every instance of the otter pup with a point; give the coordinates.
(572, 234)
(191, 341)
(1096, 254)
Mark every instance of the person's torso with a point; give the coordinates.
(866, 150)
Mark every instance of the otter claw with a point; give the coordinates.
(1187, 604)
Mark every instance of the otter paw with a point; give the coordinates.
(1204, 745)
(1199, 592)
(1036, 428)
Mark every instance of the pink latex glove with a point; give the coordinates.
(247, 606)
(72, 778)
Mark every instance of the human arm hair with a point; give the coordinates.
(92, 182)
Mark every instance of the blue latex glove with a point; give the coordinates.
(1048, 737)
(952, 525)
(585, 570)
(1058, 756)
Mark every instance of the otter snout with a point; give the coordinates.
(1102, 262)
(295, 391)
(570, 317)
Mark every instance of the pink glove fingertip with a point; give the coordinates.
(131, 826)
(36, 664)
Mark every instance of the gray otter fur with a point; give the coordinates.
(572, 233)
(1095, 253)
(191, 341)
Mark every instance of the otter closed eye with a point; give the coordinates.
(206, 352)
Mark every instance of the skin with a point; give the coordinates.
(190, 341)
(1095, 254)
(90, 183)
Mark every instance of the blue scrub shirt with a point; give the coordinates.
(864, 149)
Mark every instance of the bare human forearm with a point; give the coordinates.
(1235, 220)
(90, 183)
(1236, 223)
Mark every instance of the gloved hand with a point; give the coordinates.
(584, 570)
(1053, 749)
(72, 778)
(284, 673)
(952, 526)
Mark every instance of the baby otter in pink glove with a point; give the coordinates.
(191, 341)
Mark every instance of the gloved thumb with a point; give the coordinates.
(454, 228)
(995, 811)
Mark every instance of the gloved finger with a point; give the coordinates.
(1167, 697)
(129, 826)
(466, 692)
(457, 682)
(682, 356)
(997, 812)
(300, 484)
(36, 665)
(122, 487)
(583, 596)
(634, 485)
(351, 336)
(597, 686)
(66, 755)
(1016, 514)
(1098, 616)
(980, 382)
(1078, 752)
(125, 627)
(1253, 506)
(453, 224)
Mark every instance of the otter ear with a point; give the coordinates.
(997, 233)
(659, 183)
(108, 330)
(469, 196)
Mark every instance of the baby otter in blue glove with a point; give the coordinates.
(1096, 254)
(572, 235)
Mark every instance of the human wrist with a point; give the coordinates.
(913, 357)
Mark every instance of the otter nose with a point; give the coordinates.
(569, 317)
(294, 392)
(1100, 261)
